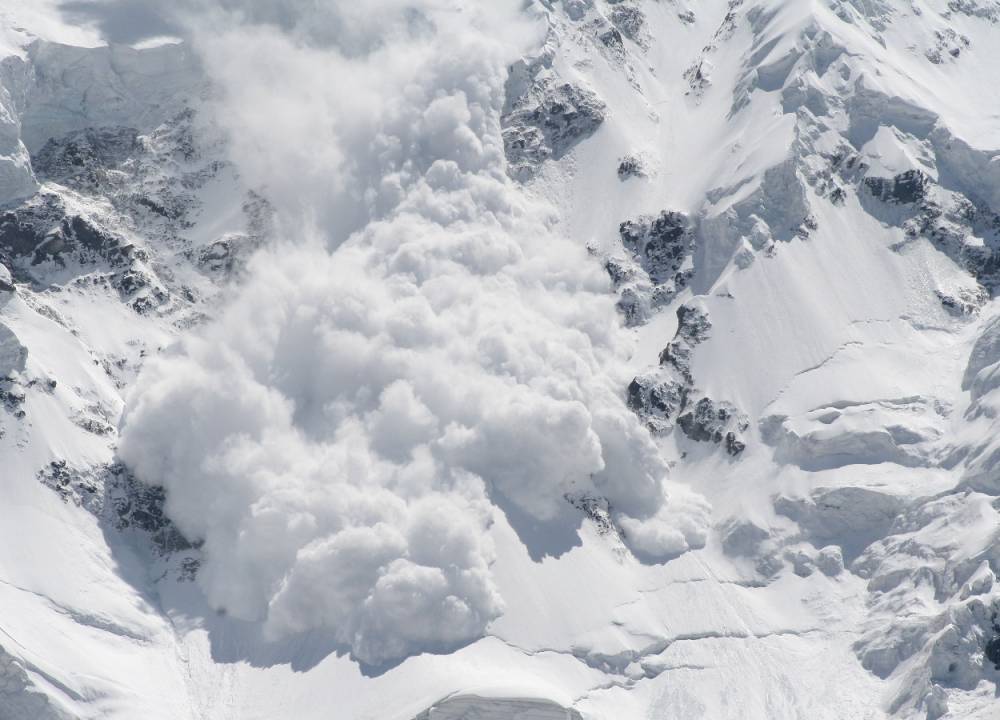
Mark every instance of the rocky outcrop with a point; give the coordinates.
(658, 263)
(631, 22)
(717, 422)
(661, 394)
(948, 45)
(693, 327)
(118, 499)
(906, 188)
(631, 166)
(85, 157)
(657, 400)
(667, 395)
(660, 245)
(45, 241)
(547, 122)
(966, 230)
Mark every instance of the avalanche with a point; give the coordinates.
(437, 359)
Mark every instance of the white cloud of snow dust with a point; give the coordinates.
(423, 341)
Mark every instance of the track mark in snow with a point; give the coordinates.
(830, 357)
(817, 366)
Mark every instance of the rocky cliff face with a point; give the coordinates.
(655, 376)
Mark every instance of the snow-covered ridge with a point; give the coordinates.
(622, 359)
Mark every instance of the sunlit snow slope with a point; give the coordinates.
(590, 359)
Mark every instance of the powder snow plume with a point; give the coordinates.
(423, 346)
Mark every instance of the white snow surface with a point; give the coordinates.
(339, 423)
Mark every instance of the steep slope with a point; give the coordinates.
(617, 359)
(127, 220)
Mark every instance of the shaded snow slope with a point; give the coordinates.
(583, 360)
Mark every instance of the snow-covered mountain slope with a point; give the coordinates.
(570, 359)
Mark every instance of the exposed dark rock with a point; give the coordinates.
(619, 271)
(637, 302)
(85, 156)
(658, 267)
(657, 399)
(146, 304)
(150, 180)
(90, 236)
(698, 78)
(12, 397)
(44, 243)
(631, 166)
(962, 230)
(612, 39)
(964, 302)
(598, 509)
(734, 446)
(974, 8)
(948, 44)
(992, 649)
(660, 244)
(115, 496)
(42, 229)
(170, 213)
(94, 426)
(663, 396)
(659, 395)
(131, 282)
(68, 484)
(17, 237)
(13, 356)
(638, 297)
(906, 188)
(227, 257)
(546, 123)
(693, 327)
(697, 74)
(710, 421)
(966, 230)
(141, 506)
(693, 324)
(630, 21)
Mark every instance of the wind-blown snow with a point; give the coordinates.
(431, 348)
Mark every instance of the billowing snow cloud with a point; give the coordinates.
(423, 343)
